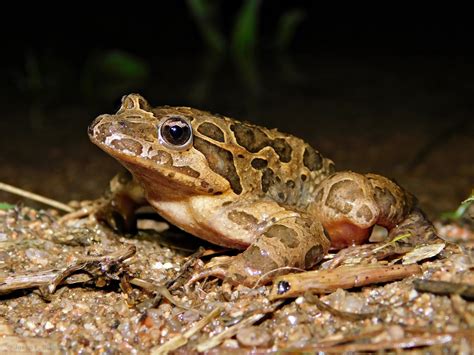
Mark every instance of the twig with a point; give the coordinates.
(49, 280)
(180, 340)
(162, 290)
(173, 283)
(327, 281)
(32, 196)
(445, 288)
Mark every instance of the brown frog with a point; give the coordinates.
(248, 187)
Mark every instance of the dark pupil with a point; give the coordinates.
(176, 132)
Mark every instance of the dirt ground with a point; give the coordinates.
(410, 120)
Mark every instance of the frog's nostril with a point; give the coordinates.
(134, 102)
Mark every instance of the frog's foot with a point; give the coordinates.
(417, 229)
(350, 204)
(243, 269)
(122, 198)
(295, 241)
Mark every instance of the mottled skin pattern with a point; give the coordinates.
(247, 187)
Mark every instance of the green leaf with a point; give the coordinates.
(123, 65)
(455, 215)
(244, 36)
(5, 206)
(287, 26)
(203, 13)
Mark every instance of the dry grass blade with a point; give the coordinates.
(312, 298)
(231, 331)
(181, 340)
(405, 343)
(345, 277)
(445, 288)
(35, 197)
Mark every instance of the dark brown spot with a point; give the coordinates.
(227, 203)
(221, 162)
(277, 179)
(303, 177)
(283, 149)
(286, 235)
(312, 159)
(267, 179)
(342, 194)
(313, 256)
(128, 145)
(212, 131)
(240, 156)
(331, 168)
(258, 260)
(242, 218)
(365, 212)
(290, 184)
(281, 196)
(250, 137)
(204, 184)
(258, 163)
(186, 170)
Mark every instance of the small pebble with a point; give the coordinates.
(254, 337)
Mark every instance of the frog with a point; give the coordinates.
(269, 194)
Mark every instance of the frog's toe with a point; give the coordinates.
(218, 271)
(417, 228)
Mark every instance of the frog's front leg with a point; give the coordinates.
(291, 240)
(122, 198)
(350, 204)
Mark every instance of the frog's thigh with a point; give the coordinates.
(296, 240)
(350, 204)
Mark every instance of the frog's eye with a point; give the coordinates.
(175, 133)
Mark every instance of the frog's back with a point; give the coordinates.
(255, 159)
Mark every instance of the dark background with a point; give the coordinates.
(385, 89)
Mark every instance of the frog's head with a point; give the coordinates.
(170, 150)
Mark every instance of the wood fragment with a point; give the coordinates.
(445, 288)
(405, 343)
(174, 283)
(182, 339)
(161, 290)
(357, 254)
(314, 299)
(35, 197)
(49, 280)
(345, 277)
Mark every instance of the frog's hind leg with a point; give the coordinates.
(350, 204)
(294, 241)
